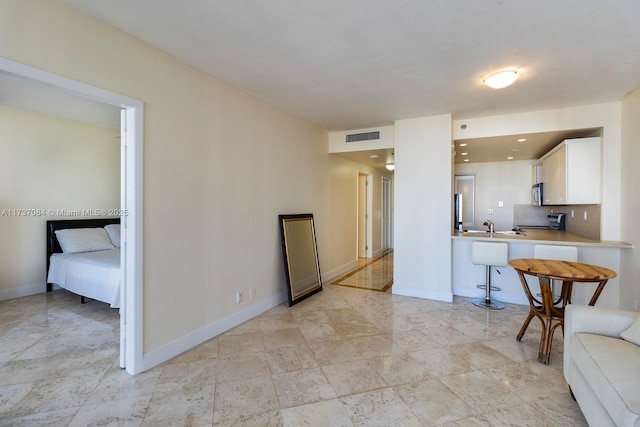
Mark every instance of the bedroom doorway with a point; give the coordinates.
(365, 234)
(386, 214)
(131, 350)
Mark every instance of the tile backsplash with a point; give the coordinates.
(578, 225)
(537, 215)
(530, 215)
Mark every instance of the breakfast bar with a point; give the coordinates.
(466, 276)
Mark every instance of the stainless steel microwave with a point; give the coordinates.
(536, 195)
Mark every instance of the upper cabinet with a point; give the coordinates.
(571, 173)
(536, 174)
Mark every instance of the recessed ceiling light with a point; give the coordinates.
(466, 160)
(464, 144)
(374, 156)
(522, 139)
(501, 79)
(510, 158)
(464, 154)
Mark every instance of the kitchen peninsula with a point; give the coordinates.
(466, 275)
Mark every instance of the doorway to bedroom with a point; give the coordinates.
(130, 193)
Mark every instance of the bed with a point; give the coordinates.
(82, 260)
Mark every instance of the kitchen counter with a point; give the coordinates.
(554, 237)
(465, 275)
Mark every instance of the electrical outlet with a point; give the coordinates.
(238, 297)
(585, 215)
(500, 204)
(252, 293)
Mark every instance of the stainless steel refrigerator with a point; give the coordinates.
(457, 209)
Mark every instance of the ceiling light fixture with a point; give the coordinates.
(522, 139)
(463, 145)
(390, 166)
(501, 79)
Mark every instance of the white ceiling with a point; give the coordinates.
(512, 147)
(349, 64)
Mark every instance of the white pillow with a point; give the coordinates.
(113, 230)
(74, 240)
(633, 333)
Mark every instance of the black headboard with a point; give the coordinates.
(53, 247)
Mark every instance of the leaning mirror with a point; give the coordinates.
(300, 255)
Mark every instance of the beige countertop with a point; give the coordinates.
(544, 236)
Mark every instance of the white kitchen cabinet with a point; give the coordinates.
(536, 174)
(572, 173)
(555, 177)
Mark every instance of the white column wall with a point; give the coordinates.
(422, 254)
(630, 204)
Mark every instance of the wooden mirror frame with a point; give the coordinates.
(294, 251)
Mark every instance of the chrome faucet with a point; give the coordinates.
(489, 224)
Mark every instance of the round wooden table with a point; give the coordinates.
(550, 312)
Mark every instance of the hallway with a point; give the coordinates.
(375, 274)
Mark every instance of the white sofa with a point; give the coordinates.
(602, 369)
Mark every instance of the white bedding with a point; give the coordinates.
(94, 275)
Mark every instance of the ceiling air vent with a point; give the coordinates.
(361, 137)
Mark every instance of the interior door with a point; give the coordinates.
(363, 215)
(386, 213)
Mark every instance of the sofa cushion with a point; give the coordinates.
(611, 367)
(633, 333)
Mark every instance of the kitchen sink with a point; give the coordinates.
(487, 232)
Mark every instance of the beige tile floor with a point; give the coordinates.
(344, 357)
(374, 274)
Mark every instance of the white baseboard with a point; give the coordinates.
(22, 291)
(507, 297)
(337, 272)
(409, 291)
(168, 351)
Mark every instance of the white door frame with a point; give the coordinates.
(131, 356)
(369, 210)
(387, 210)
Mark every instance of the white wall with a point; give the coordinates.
(423, 208)
(509, 182)
(337, 142)
(630, 206)
(53, 165)
(219, 166)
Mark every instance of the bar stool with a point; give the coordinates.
(490, 255)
